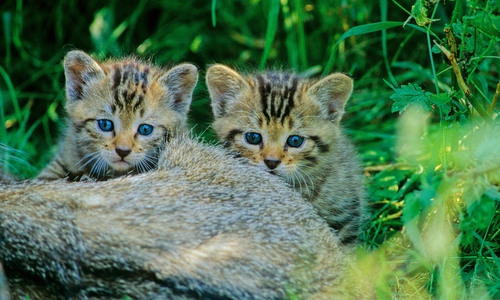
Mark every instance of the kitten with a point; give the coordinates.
(119, 113)
(290, 127)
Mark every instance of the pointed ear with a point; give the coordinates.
(333, 92)
(180, 82)
(224, 85)
(80, 69)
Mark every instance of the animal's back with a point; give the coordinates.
(204, 225)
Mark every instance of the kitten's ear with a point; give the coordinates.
(80, 69)
(224, 85)
(333, 92)
(180, 82)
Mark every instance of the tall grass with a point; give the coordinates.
(432, 172)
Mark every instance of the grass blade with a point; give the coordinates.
(364, 29)
(383, 17)
(271, 29)
(214, 4)
(12, 94)
(7, 20)
(301, 35)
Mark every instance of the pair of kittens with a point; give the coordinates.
(120, 113)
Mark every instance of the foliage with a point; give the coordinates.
(410, 94)
(443, 190)
(423, 114)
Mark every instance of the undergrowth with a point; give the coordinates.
(423, 114)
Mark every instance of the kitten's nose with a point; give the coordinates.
(123, 152)
(272, 163)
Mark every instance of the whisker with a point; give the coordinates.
(93, 156)
(150, 162)
(144, 166)
(85, 157)
(98, 167)
(104, 167)
(295, 183)
(95, 168)
(150, 158)
(304, 172)
(302, 179)
(139, 167)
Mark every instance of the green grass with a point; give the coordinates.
(429, 150)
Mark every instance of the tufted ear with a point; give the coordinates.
(180, 82)
(332, 92)
(80, 69)
(224, 85)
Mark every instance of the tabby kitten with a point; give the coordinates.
(119, 113)
(290, 127)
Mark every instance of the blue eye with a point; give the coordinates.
(105, 125)
(253, 138)
(145, 129)
(295, 141)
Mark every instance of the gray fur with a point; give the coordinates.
(203, 226)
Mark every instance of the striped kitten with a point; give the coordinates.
(119, 113)
(290, 127)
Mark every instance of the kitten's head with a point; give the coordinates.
(121, 111)
(283, 123)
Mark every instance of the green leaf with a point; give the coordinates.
(435, 49)
(419, 12)
(408, 95)
(488, 23)
(440, 99)
(412, 213)
(412, 207)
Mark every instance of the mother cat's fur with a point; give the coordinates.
(204, 226)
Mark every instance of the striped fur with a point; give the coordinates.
(279, 106)
(135, 97)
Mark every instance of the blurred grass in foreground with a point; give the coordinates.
(448, 246)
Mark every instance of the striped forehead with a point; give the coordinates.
(130, 85)
(278, 95)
